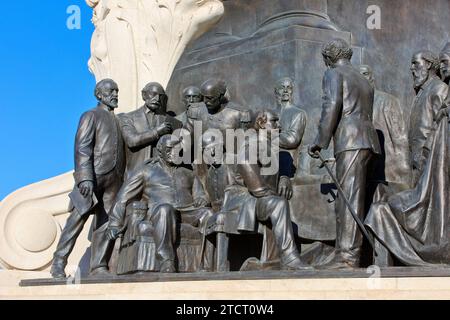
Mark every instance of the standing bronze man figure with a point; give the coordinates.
(99, 169)
(293, 125)
(431, 94)
(413, 224)
(347, 116)
(142, 128)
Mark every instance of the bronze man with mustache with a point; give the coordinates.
(142, 128)
(172, 193)
(99, 169)
(191, 95)
(431, 94)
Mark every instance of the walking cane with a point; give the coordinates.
(347, 202)
(202, 253)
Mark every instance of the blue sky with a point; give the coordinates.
(45, 86)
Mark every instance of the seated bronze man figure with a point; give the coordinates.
(173, 195)
(252, 196)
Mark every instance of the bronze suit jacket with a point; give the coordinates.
(139, 132)
(347, 111)
(99, 146)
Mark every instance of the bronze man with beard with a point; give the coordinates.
(99, 168)
(142, 128)
(347, 116)
(431, 94)
(190, 95)
(170, 192)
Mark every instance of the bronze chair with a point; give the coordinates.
(138, 252)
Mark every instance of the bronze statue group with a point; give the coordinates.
(155, 214)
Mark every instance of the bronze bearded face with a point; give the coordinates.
(420, 69)
(108, 94)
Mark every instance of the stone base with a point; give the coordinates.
(393, 283)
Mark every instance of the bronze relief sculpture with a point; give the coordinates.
(99, 169)
(389, 183)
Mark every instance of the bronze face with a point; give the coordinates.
(445, 66)
(284, 90)
(273, 121)
(367, 72)
(169, 149)
(212, 101)
(108, 94)
(191, 95)
(155, 97)
(420, 69)
(213, 92)
(268, 120)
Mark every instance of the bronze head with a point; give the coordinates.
(367, 72)
(336, 50)
(155, 97)
(169, 147)
(444, 58)
(284, 90)
(191, 95)
(268, 120)
(424, 64)
(214, 94)
(107, 93)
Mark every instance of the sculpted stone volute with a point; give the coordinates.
(136, 42)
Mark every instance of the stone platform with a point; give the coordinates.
(372, 283)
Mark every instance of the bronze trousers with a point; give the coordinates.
(351, 172)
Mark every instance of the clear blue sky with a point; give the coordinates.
(45, 86)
